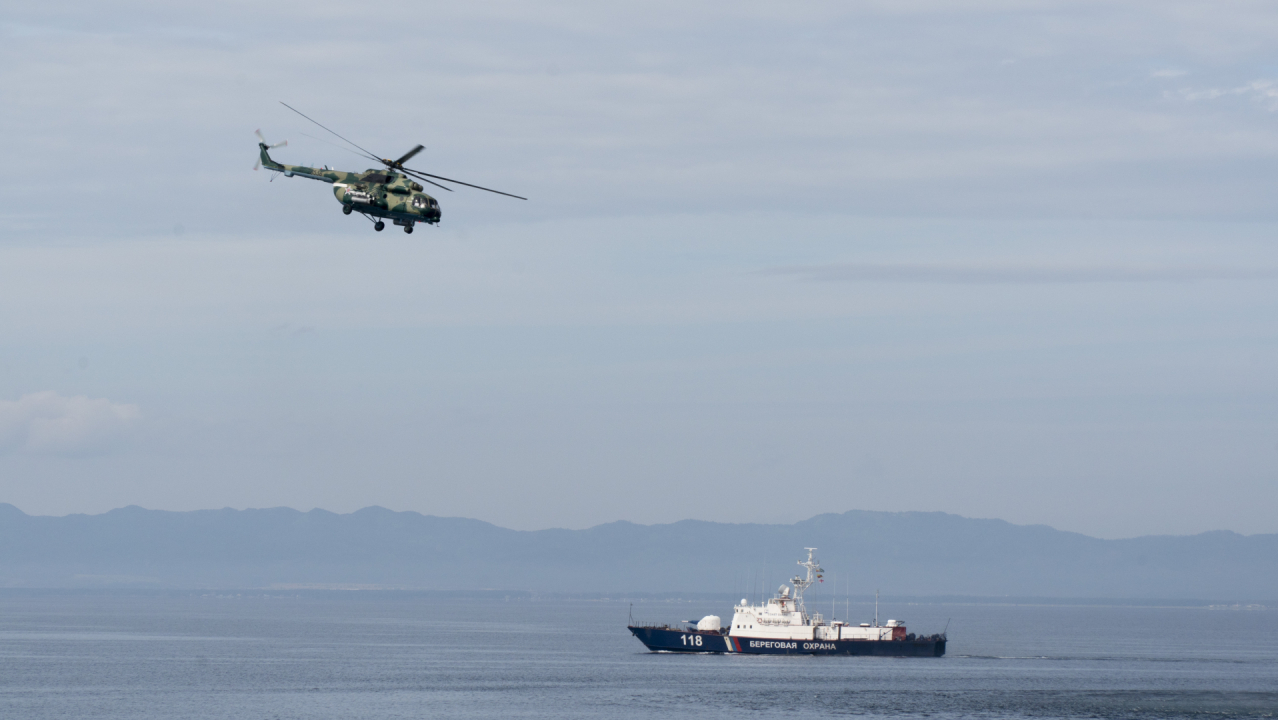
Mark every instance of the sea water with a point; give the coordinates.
(384, 654)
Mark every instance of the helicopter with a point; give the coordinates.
(379, 194)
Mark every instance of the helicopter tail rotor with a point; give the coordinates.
(258, 165)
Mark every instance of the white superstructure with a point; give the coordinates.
(785, 618)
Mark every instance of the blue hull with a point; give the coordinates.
(668, 639)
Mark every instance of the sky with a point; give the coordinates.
(1002, 259)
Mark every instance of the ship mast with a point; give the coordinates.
(801, 583)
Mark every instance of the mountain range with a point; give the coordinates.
(905, 553)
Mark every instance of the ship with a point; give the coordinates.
(783, 626)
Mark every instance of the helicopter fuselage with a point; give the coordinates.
(380, 193)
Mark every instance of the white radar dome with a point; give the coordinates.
(710, 623)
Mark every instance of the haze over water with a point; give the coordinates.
(348, 655)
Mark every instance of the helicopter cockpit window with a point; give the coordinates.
(375, 178)
(420, 201)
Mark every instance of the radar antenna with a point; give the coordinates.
(803, 583)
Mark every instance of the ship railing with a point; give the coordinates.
(681, 627)
(937, 637)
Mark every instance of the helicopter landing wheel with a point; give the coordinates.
(379, 225)
(346, 209)
(408, 229)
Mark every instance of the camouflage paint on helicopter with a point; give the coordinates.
(376, 193)
(390, 193)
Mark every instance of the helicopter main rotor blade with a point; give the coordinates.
(414, 173)
(348, 142)
(398, 164)
(408, 156)
(343, 148)
(459, 182)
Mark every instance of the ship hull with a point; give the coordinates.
(660, 639)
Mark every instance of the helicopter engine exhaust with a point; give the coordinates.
(358, 197)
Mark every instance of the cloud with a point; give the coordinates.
(1013, 274)
(49, 423)
(1263, 91)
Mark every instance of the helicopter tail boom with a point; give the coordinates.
(322, 174)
